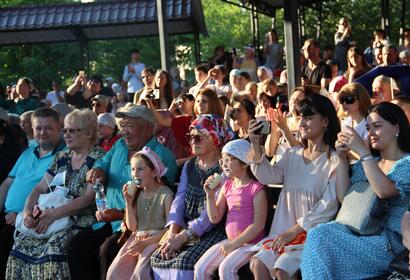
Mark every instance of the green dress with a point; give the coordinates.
(33, 258)
(21, 106)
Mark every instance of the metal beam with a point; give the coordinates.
(197, 46)
(292, 44)
(84, 48)
(163, 34)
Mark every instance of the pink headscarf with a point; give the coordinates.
(160, 168)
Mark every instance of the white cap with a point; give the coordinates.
(238, 148)
(106, 119)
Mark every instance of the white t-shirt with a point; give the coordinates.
(52, 97)
(133, 79)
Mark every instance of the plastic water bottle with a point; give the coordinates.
(100, 199)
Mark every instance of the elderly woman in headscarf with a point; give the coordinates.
(190, 233)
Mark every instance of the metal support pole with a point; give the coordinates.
(163, 34)
(292, 44)
(253, 26)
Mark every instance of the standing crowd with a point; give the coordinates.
(148, 178)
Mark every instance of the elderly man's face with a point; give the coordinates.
(381, 92)
(136, 132)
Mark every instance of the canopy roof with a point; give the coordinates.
(97, 21)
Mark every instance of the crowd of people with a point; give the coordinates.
(159, 180)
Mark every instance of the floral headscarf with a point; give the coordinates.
(215, 127)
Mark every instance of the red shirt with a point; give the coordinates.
(108, 143)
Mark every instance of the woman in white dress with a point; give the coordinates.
(308, 197)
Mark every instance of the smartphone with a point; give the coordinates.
(346, 122)
(265, 128)
(81, 73)
(154, 94)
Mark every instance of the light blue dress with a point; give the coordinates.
(332, 251)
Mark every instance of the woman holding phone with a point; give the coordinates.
(355, 102)
(307, 199)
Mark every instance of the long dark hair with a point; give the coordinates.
(169, 90)
(318, 104)
(396, 116)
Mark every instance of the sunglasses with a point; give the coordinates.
(71, 130)
(347, 99)
(196, 138)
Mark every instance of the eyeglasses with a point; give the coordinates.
(195, 137)
(225, 161)
(127, 126)
(347, 99)
(71, 130)
(96, 104)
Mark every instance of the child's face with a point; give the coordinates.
(141, 170)
(232, 166)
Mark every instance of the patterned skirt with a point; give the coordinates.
(188, 256)
(33, 258)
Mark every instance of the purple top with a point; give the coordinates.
(176, 214)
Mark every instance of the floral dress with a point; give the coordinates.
(33, 258)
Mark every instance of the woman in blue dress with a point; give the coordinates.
(332, 251)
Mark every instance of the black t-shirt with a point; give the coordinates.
(78, 100)
(321, 71)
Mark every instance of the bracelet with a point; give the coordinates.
(189, 234)
(366, 157)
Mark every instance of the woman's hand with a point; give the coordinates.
(341, 149)
(173, 244)
(283, 239)
(254, 126)
(47, 217)
(28, 220)
(278, 117)
(136, 247)
(109, 215)
(352, 141)
(227, 247)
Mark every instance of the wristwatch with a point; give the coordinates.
(189, 233)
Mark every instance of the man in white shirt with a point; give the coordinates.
(56, 95)
(132, 73)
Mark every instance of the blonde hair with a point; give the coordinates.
(360, 93)
(86, 120)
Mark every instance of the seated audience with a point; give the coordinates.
(26, 126)
(244, 201)
(100, 104)
(385, 166)
(242, 112)
(201, 74)
(86, 259)
(190, 232)
(107, 131)
(23, 102)
(302, 204)
(25, 175)
(80, 94)
(247, 63)
(384, 89)
(56, 95)
(356, 64)
(148, 79)
(146, 213)
(34, 258)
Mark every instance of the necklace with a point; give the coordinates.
(148, 204)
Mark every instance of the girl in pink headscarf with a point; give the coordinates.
(148, 202)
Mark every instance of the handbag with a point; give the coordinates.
(53, 199)
(362, 210)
